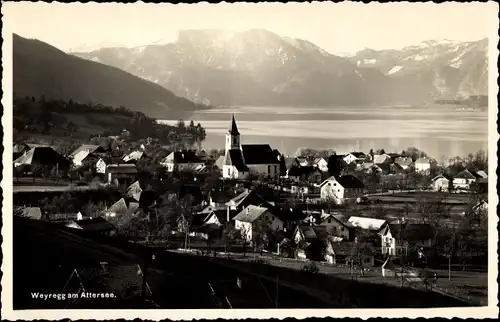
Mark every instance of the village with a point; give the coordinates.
(397, 218)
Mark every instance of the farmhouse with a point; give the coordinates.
(440, 183)
(118, 173)
(396, 238)
(344, 187)
(44, 157)
(253, 218)
(241, 160)
(424, 164)
(464, 179)
(308, 174)
(184, 160)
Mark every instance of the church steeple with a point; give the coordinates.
(233, 129)
(233, 137)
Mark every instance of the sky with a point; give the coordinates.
(341, 28)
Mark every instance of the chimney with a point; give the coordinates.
(248, 210)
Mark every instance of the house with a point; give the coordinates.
(84, 157)
(252, 218)
(184, 160)
(320, 163)
(339, 189)
(354, 157)
(404, 162)
(135, 156)
(424, 164)
(381, 158)
(204, 224)
(308, 174)
(95, 225)
(440, 183)
(91, 148)
(134, 191)
(464, 179)
(246, 198)
(242, 160)
(481, 206)
(335, 226)
(362, 254)
(118, 173)
(123, 207)
(30, 212)
(367, 223)
(100, 166)
(396, 238)
(45, 157)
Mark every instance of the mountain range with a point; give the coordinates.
(40, 69)
(258, 67)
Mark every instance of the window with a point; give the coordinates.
(268, 169)
(235, 141)
(273, 217)
(275, 169)
(335, 184)
(329, 220)
(228, 171)
(342, 228)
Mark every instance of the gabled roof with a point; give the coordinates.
(134, 191)
(466, 174)
(94, 224)
(439, 177)
(251, 213)
(312, 232)
(42, 155)
(381, 158)
(92, 148)
(358, 154)
(184, 156)
(248, 197)
(123, 207)
(259, 154)
(349, 181)
(32, 213)
(367, 223)
(423, 160)
(388, 264)
(394, 155)
(482, 174)
(233, 129)
(235, 158)
(20, 148)
(134, 156)
(324, 217)
(220, 161)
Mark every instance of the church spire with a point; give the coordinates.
(234, 129)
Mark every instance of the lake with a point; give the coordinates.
(441, 131)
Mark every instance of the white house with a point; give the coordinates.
(396, 238)
(241, 160)
(253, 217)
(338, 189)
(424, 164)
(464, 179)
(100, 166)
(440, 183)
(354, 157)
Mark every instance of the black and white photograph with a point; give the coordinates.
(208, 158)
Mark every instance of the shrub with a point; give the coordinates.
(311, 268)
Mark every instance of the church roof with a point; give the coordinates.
(233, 129)
(235, 158)
(259, 154)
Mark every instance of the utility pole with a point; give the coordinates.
(277, 290)
(449, 267)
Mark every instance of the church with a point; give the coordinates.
(240, 160)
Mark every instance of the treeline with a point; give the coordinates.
(49, 116)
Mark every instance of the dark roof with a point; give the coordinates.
(394, 155)
(349, 181)
(296, 171)
(385, 167)
(233, 129)
(259, 154)
(468, 174)
(43, 156)
(93, 148)
(313, 232)
(235, 158)
(358, 154)
(411, 232)
(186, 156)
(122, 168)
(95, 224)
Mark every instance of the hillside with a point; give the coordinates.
(41, 70)
(258, 67)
